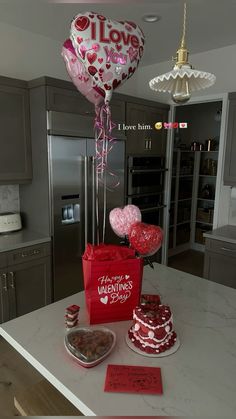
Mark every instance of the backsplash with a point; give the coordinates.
(9, 198)
(232, 207)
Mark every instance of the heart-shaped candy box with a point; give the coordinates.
(90, 345)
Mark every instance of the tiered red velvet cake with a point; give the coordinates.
(152, 330)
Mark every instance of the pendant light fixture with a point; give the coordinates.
(183, 79)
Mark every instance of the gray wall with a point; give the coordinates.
(9, 198)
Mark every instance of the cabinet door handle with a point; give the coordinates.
(149, 144)
(227, 249)
(4, 284)
(12, 280)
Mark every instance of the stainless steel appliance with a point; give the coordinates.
(145, 187)
(72, 195)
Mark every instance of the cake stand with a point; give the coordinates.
(168, 352)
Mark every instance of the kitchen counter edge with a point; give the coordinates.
(225, 233)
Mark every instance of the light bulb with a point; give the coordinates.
(180, 93)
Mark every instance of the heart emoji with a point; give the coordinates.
(126, 277)
(90, 345)
(91, 56)
(124, 76)
(109, 26)
(82, 23)
(107, 87)
(100, 60)
(118, 47)
(121, 219)
(146, 239)
(108, 66)
(104, 300)
(91, 16)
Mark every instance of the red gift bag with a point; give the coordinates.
(112, 282)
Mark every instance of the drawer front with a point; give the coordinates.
(3, 260)
(29, 253)
(222, 247)
(220, 268)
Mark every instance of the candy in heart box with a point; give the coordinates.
(90, 345)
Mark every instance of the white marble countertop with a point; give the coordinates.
(22, 238)
(198, 380)
(226, 233)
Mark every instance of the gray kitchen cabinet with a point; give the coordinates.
(4, 300)
(230, 152)
(66, 100)
(15, 156)
(62, 96)
(142, 137)
(25, 285)
(220, 262)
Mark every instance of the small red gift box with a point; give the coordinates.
(112, 282)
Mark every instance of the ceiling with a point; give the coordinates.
(210, 23)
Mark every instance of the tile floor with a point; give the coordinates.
(190, 261)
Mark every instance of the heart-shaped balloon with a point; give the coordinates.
(121, 219)
(79, 76)
(146, 239)
(103, 45)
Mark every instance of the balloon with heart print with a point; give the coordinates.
(110, 50)
(121, 219)
(79, 75)
(146, 239)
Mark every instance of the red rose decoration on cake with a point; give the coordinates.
(146, 239)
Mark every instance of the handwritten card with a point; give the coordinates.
(133, 379)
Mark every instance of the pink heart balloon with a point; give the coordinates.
(122, 219)
(102, 44)
(79, 76)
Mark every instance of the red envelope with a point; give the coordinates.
(133, 379)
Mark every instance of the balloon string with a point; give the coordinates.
(104, 145)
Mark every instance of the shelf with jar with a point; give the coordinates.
(191, 210)
(181, 199)
(204, 199)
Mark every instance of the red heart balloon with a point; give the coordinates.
(146, 239)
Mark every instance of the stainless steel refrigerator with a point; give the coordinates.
(72, 175)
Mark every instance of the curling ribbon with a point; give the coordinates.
(104, 144)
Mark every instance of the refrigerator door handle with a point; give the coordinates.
(93, 200)
(85, 201)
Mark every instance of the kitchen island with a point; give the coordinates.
(198, 380)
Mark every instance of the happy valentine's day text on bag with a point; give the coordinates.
(112, 282)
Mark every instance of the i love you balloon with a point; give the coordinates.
(109, 50)
(146, 239)
(122, 219)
